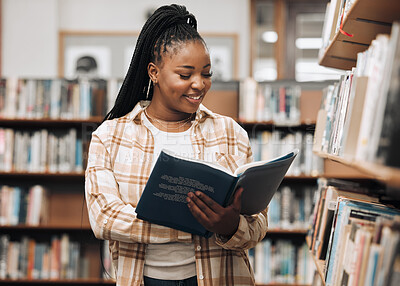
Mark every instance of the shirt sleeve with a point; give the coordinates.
(109, 216)
(251, 229)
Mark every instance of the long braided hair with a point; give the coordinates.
(167, 26)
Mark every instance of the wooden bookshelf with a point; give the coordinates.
(48, 122)
(319, 264)
(68, 212)
(365, 20)
(387, 175)
(273, 123)
(46, 175)
(301, 231)
(44, 228)
(57, 282)
(66, 208)
(281, 284)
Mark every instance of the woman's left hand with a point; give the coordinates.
(214, 217)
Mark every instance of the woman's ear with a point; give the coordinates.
(152, 70)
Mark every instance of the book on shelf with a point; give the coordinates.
(378, 51)
(24, 206)
(41, 151)
(164, 198)
(389, 272)
(327, 211)
(337, 101)
(52, 98)
(344, 7)
(370, 253)
(357, 239)
(331, 102)
(290, 207)
(325, 207)
(262, 102)
(2, 97)
(248, 99)
(358, 114)
(326, 29)
(267, 144)
(6, 149)
(282, 261)
(384, 144)
(350, 211)
(353, 121)
(322, 116)
(341, 114)
(330, 24)
(26, 257)
(287, 105)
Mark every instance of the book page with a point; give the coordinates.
(210, 164)
(244, 167)
(180, 187)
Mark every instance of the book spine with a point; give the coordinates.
(4, 245)
(231, 192)
(281, 261)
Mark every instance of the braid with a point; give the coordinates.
(168, 26)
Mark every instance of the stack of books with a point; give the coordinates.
(357, 237)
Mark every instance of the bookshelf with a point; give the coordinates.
(289, 237)
(333, 233)
(67, 212)
(283, 231)
(58, 282)
(319, 264)
(281, 284)
(364, 20)
(17, 122)
(29, 107)
(387, 175)
(79, 176)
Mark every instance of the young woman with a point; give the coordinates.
(159, 106)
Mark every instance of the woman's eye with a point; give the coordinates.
(208, 74)
(184, 76)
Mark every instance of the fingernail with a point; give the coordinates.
(190, 195)
(198, 193)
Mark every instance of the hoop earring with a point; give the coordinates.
(148, 89)
(146, 102)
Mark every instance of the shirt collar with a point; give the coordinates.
(135, 115)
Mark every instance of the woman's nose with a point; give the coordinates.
(198, 82)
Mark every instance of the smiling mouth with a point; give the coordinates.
(194, 97)
(197, 97)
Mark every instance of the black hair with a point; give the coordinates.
(167, 26)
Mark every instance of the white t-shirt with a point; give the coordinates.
(175, 260)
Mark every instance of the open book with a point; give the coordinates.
(164, 198)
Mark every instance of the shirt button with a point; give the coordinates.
(105, 221)
(198, 247)
(201, 277)
(198, 151)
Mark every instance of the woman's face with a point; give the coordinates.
(182, 79)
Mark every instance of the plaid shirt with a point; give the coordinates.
(119, 164)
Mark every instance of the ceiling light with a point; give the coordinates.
(269, 36)
(308, 43)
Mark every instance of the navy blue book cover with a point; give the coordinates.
(163, 200)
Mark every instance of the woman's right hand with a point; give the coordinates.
(214, 217)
